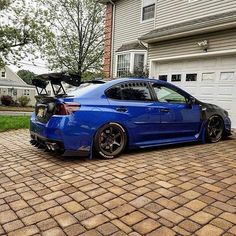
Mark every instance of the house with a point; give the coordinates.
(191, 43)
(11, 84)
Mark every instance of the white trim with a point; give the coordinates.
(189, 56)
(196, 55)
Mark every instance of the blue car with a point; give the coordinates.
(107, 117)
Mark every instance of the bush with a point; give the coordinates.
(7, 100)
(23, 100)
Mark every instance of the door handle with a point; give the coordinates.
(165, 110)
(121, 109)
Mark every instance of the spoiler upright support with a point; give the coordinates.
(40, 86)
(56, 80)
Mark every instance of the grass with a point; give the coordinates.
(14, 122)
(10, 108)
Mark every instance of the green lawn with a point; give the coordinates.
(14, 122)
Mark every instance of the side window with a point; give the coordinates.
(114, 92)
(191, 77)
(168, 95)
(137, 91)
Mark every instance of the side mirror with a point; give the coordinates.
(191, 101)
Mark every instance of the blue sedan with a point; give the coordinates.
(106, 117)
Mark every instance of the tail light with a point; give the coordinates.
(67, 108)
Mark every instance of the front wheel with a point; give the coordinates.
(110, 140)
(215, 129)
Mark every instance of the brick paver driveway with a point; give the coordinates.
(188, 190)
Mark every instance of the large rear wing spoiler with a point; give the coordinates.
(55, 79)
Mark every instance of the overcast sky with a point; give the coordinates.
(40, 66)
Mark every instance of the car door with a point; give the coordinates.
(133, 102)
(179, 119)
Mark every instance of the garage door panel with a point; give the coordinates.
(224, 103)
(207, 90)
(209, 99)
(225, 90)
(191, 90)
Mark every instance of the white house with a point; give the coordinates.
(11, 84)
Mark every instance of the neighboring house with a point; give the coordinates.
(191, 43)
(11, 84)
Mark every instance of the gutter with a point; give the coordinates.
(112, 42)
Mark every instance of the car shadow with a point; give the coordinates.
(173, 146)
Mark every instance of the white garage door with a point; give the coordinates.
(211, 80)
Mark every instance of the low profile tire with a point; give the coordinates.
(215, 129)
(110, 140)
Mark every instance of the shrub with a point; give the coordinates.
(7, 100)
(23, 100)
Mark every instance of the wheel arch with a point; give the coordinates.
(117, 123)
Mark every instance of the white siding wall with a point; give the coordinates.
(175, 11)
(128, 25)
(219, 41)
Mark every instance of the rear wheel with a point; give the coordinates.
(215, 129)
(110, 140)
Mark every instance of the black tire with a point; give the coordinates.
(110, 140)
(214, 129)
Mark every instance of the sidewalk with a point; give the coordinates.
(15, 113)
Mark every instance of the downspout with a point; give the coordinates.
(112, 42)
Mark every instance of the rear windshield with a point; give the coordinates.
(82, 89)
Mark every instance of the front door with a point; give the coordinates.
(179, 119)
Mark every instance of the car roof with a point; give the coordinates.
(98, 90)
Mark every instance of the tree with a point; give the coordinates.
(78, 42)
(26, 75)
(21, 29)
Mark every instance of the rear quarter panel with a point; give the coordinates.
(82, 126)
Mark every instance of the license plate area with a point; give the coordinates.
(41, 111)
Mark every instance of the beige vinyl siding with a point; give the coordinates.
(175, 11)
(218, 41)
(128, 24)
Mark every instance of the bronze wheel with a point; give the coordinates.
(110, 140)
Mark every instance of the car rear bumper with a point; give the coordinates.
(58, 135)
(55, 146)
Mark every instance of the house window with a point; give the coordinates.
(148, 11)
(123, 65)
(26, 92)
(3, 74)
(227, 76)
(208, 76)
(176, 78)
(131, 63)
(163, 77)
(191, 77)
(138, 63)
